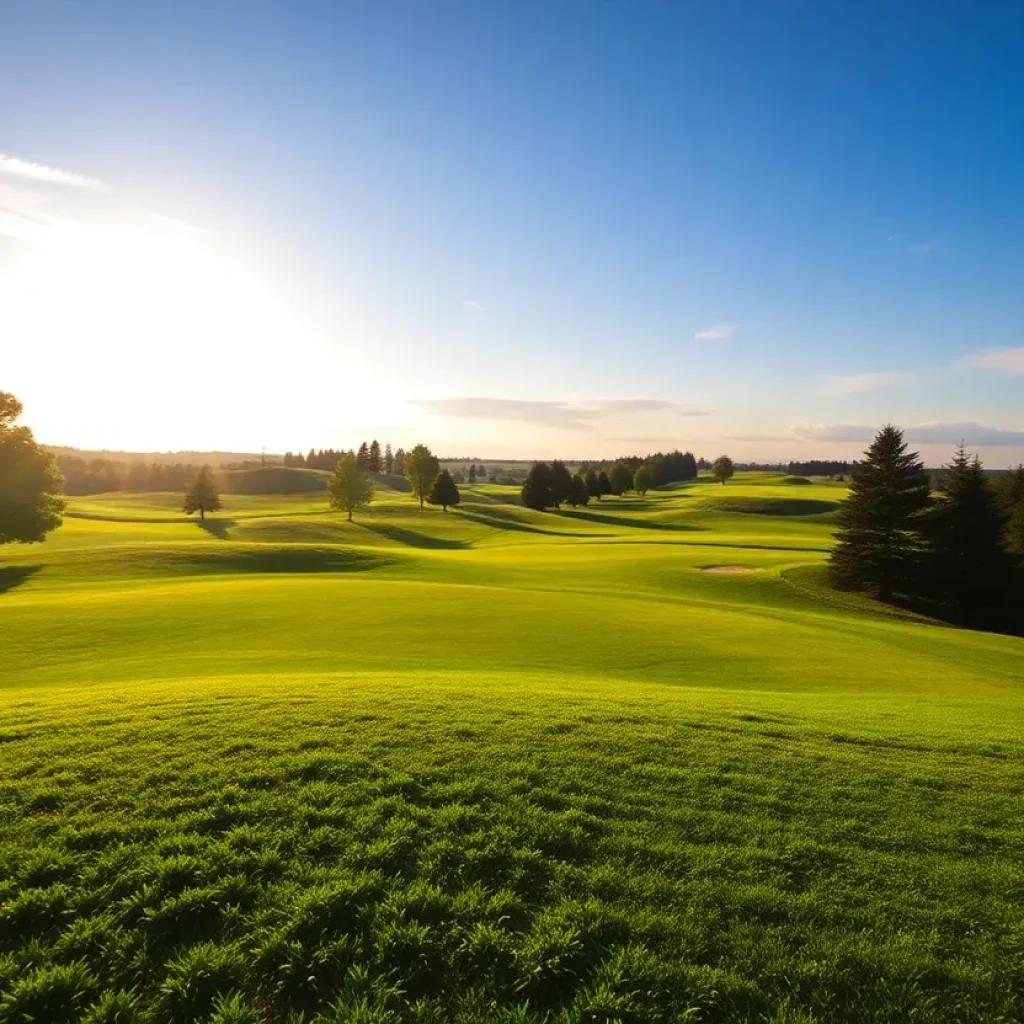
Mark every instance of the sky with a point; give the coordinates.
(509, 228)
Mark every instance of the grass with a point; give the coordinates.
(497, 765)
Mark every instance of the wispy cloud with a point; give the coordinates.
(1004, 360)
(743, 438)
(19, 168)
(567, 415)
(852, 383)
(922, 248)
(720, 332)
(972, 434)
(470, 304)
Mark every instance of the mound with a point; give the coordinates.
(797, 480)
(272, 480)
(728, 569)
(776, 506)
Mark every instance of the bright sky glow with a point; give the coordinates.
(513, 230)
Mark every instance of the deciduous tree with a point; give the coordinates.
(722, 469)
(30, 484)
(621, 478)
(578, 492)
(538, 491)
(349, 487)
(643, 478)
(561, 482)
(421, 469)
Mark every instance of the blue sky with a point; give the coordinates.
(533, 229)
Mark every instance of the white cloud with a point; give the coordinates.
(568, 415)
(717, 333)
(852, 383)
(971, 434)
(1005, 360)
(470, 304)
(18, 168)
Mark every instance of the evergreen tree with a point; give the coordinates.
(349, 487)
(722, 469)
(398, 468)
(969, 566)
(444, 492)
(472, 474)
(579, 494)
(561, 482)
(202, 495)
(421, 469)
(604, 485)
(311, 459)
(538, 490)
(643, 478)
(1010, 493)
(593, 484)
(621, 478)
(30, 483)
(374, 464)
(481, 471)
(363, 457)
(389, 459)
(878, 544)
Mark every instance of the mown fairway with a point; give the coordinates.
(497, 765)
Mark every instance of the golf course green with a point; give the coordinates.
(631, 762)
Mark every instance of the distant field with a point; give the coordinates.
(497, 765)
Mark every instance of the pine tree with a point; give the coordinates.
(421, 469)
(374, 463)
(1010, 494)
(349, 488)
(538, 490)
(202, 495)
(593, 484)
(389, 459)
(604, 485)
(472, 474)
(969, 566)
(363, 457)
(398, 467)
(444, 492)
(561, 482)
(878, 542)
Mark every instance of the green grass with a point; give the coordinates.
(497, 765)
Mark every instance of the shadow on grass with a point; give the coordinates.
(217, 527)
(413, 538)
(12, 576)
(641, 524)
(508, 521)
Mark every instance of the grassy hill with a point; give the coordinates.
(631, 762)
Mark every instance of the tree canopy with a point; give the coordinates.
(722, 469)
(444, 491)
(643, 479)
(579, 494)
(202, 495)
(30, 483)
(350, 487)
(621, 478)
(538, 490)
(421, 469)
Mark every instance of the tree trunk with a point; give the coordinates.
(350, 515)
(202, 512)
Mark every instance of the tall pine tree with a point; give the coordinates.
(389, 459)
(374, 465)
(970, 569)
(878, 543)
(363, 458)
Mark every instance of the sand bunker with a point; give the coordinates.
(729, 568)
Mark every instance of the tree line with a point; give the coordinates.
(957, 553)
(369, 456)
